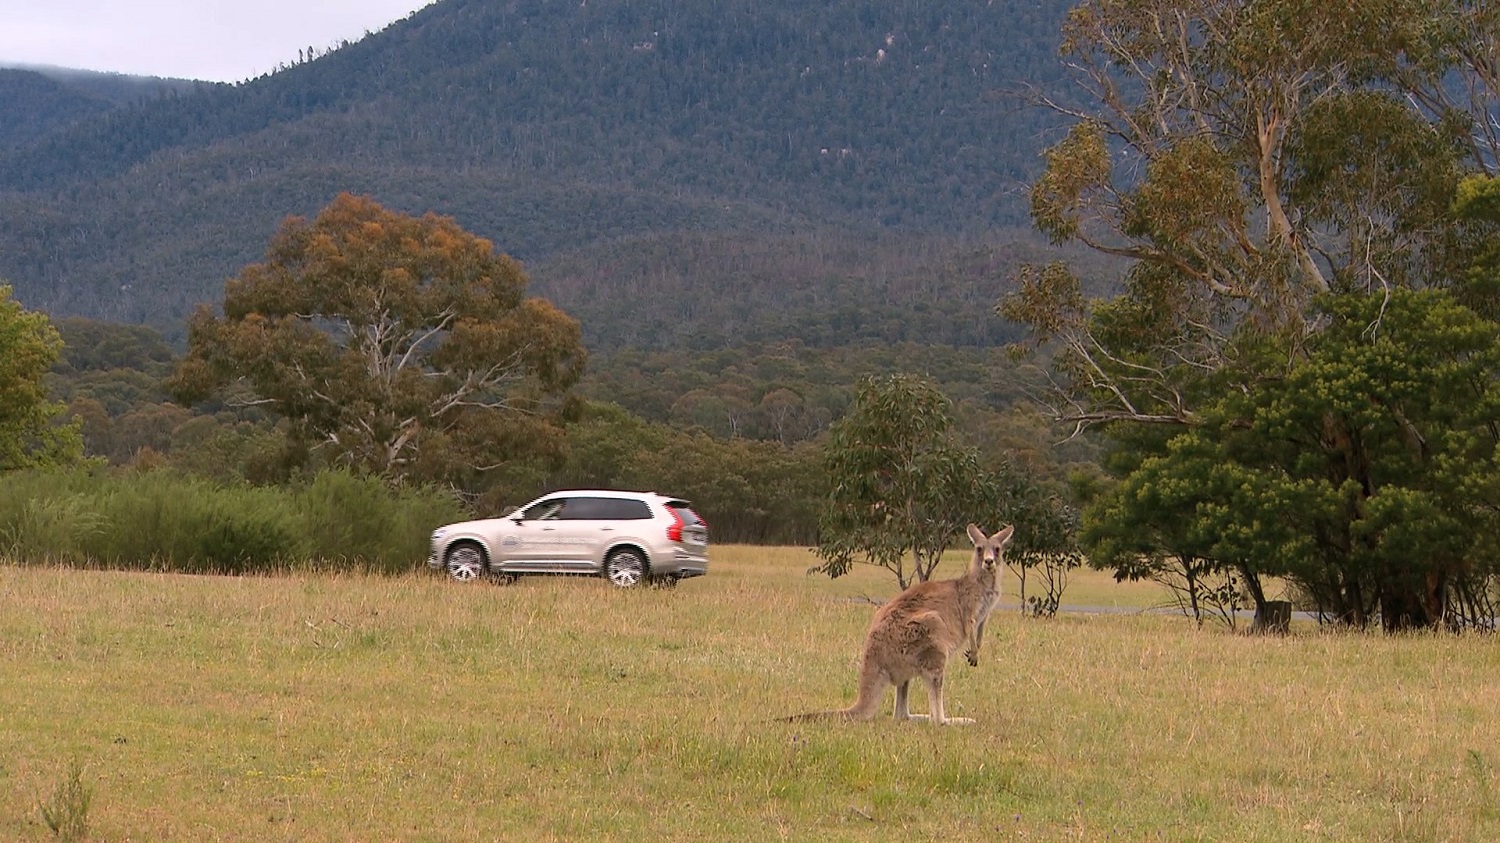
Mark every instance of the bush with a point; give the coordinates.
(155, 519)
(357, 519)
(44, 515)
(169, 521)
(240, 531)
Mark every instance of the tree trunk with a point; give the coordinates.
(1404, 609)
(1258, 594)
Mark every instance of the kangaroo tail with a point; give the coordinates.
(872, 683)
(851, 713)
(836, 714)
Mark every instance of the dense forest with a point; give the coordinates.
(38, 102)
(820, 162)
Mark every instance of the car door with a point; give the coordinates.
(585, 527)
(536, 538)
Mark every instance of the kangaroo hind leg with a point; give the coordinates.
(935, 701)
(903, 709)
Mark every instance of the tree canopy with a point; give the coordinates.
(32, 431)
(400, 345)
(1281, 178)
(901, 485)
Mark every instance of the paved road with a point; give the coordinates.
(1086, 609)
(1154, 610)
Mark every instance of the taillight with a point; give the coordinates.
(674, 532)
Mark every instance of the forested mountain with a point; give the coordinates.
(38, 101)
(666, 168)
(34, 106)
(114, 88)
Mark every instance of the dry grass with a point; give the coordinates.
(364, 708)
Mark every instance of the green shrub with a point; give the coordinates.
(171, 521)
(351, 519)
(45, 515)
(240, 531)
(154, 519)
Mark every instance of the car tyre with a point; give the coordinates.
(625, 568)
(464, 561)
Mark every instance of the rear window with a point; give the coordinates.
(686, 513)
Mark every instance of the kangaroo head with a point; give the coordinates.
(989, 551)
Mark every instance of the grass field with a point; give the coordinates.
(351, 708)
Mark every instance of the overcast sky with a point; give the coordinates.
(218, 40)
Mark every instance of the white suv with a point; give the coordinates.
(626, 537)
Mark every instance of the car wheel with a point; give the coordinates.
(464, 561)
(625, 568)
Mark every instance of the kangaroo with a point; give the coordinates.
(913, 634)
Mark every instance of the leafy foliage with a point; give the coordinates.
(404, 346)
(31, 432)
(1364, 474)
(134, 519)
(1046, 539)
(902, 487)
(1281, 177)
(739, 431)
(1243, 165)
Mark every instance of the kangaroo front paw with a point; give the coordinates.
(973, 657)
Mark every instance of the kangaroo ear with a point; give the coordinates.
(976, 535)
(1004, 535)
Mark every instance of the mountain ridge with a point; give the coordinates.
(558, 130)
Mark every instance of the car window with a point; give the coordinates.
(685, 512)
(632, 510)
(584, 509)
(548, 510)
(605, 509)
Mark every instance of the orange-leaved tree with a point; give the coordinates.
(400, 345)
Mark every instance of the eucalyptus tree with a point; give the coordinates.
(1263, 170)
(901, 485)
(1232, 154)
(401, 345)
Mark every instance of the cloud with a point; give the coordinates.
(220, 40)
